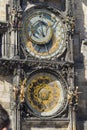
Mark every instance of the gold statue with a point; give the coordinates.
(22, 90)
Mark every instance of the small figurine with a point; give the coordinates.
(13, 13)
(22, 90)
(15, 90)
(73, 96)
(70, 96)
(76, 95)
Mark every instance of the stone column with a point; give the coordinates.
(12, 44)
(71, 48)
(15, 43)
(6, 45)
(67, 6)
(15, 110)
(12, 109)
(74, 120)
(70, 127)
(2, 46)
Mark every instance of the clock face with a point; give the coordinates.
(45, 94)
(43, 33)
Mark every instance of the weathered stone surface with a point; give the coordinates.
(44, 128)
(81, 17)
(82, 125)
(80, 13)
(81, 80)
(48, 128)
(3, 10)
(6, 105)
(5, 84)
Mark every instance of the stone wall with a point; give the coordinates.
(80, 12)
(51, 125)
(5, 87)
(81, 61)
(3, 10)
(81, 52)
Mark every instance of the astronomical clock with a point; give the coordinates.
(45, 35)
(43, 78)
(46, 73)
(44, 32)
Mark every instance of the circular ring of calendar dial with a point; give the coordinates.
(46, 93)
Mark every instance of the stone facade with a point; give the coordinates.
(80, 13)
(5, 92)
(81, 60)
(80, 51)
(3, 10)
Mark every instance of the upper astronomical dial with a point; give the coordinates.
(40, 31)
(43, 33)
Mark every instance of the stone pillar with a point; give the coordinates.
(15, 110)
(18, 120)
(15, 43)
(67, 6)
(12, 44)
(7, 45)
(2, 45)
(12, 113)
(4, 55)
(71, 48)
(74, 120)
(70, 127)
